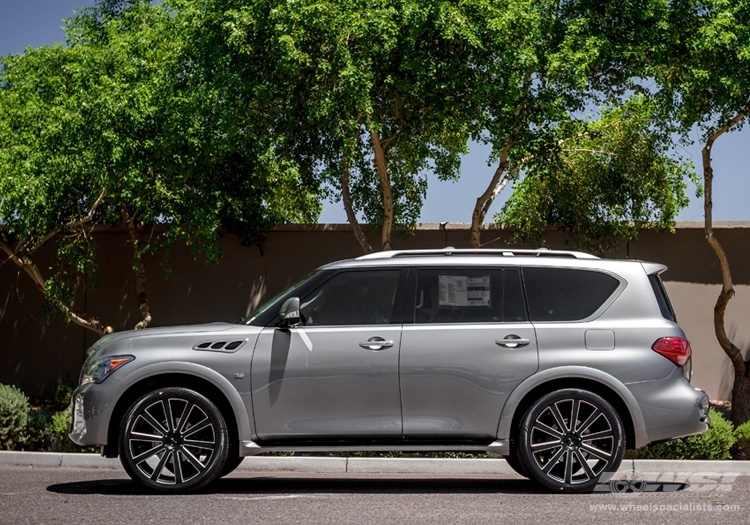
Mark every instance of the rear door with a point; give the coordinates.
(468, 347)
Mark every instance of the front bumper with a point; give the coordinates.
(91, 414)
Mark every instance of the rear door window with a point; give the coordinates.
(566, 294)
(468, 295)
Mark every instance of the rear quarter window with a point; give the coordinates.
(665, 306)
(566, 294)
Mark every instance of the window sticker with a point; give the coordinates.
(461, 290)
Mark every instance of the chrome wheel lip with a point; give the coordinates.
(179, 447)
(564, 447)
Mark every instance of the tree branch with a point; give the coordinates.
(73, 224)
(32, 270)
(346, 197)
(485, 200)
(385, 188)
(140, 271)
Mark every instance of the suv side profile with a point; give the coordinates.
(557, 361)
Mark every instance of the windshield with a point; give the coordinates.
(265, 306)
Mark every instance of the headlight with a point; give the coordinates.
(97, 371)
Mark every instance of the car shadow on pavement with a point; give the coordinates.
(278, 485)
(269, 485)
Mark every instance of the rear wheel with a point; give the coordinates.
(569, 439)
(173, 440)
(515, 463)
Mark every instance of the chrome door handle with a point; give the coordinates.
(376, 343)
(512, 341)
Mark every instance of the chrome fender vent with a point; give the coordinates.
(219, 346)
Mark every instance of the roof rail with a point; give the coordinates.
(474, 252)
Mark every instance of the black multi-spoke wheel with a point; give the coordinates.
(173, 440)
(569, 439)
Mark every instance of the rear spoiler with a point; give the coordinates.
(653, 268)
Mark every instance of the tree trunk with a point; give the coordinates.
(740, 399)
(140, 272)
(346, 197)
(741, 387)
(385, 188)
(498, 182)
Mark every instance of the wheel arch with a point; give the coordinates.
(595, 381)
(214, 393)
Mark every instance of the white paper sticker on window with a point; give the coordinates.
(461, 290)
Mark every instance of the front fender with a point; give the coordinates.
(155, 369)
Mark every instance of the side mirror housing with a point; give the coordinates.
(289, 313)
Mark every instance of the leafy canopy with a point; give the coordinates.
(112, 130)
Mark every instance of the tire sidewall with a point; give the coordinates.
(218, 459)
(529, 463)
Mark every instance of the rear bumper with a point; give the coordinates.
(671, 408)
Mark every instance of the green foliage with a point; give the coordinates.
(603, 183)
(116, 129)
(703, 70)
(201, 115)
(14, 408)
(334, 81)
(331, 82)
(39, 434)
(703, 77)
(741, 449)
(715, 443)
(46, 431)
(60, 427)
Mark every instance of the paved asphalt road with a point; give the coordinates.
(40, 495)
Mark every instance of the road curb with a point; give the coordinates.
(359, 465)
(57, 459)
(693, 465)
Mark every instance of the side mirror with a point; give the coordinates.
(289, 313)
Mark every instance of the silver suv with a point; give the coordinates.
(557, 361)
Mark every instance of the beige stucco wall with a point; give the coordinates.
(35, 355)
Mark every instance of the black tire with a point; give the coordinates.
(233, 461)
(173, 440)
(514, 462)
(569, 439)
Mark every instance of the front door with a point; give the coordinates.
(336, 374)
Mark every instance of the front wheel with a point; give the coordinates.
(173, 440)
(569, 439)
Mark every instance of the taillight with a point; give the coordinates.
(676, 349)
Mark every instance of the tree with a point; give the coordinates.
(547, 63)
(45, 194)
(365, 97)
(108, 131)
(703, 69)
(611, 179)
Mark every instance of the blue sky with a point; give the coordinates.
(39, 22)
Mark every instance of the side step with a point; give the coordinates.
(499, 447)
